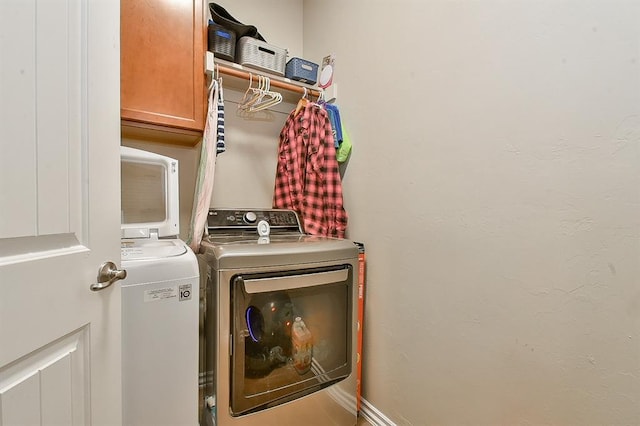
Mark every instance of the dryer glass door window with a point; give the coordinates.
(291, 335)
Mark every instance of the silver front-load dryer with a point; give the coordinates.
(280, 322)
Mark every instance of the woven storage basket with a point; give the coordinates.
(257, 54)
(222, 42)
(302, 70)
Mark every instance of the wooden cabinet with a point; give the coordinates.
(162, 76)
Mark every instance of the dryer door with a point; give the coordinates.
(291, 335)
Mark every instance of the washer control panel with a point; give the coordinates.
(248, 219)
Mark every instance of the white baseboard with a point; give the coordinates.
(373, 415)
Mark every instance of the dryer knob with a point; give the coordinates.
(250, 217)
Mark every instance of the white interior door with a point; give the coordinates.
(59, 212)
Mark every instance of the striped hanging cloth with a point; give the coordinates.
(212, 145)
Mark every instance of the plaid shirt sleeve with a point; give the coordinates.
(285, 176)
(336, 215)
(307, 177)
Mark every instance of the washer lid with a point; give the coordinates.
(149, 200)
(151, 249)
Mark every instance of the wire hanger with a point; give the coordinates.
(267, 98)
(258, 94)
(245, 97)
(302, 102)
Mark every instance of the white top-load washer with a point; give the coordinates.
(160, 304)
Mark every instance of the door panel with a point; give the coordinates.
(55, 126)
(59, 212)
(48, 379)
(18, 115)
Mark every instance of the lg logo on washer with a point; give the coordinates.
(185, 292)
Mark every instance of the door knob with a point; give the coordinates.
(107, 275)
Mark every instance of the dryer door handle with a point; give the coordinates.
(108, 273)
(289, 282)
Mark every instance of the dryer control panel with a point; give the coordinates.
(243, 219)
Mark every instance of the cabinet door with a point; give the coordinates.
(162, 70)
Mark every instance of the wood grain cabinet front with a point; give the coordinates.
(162, 80)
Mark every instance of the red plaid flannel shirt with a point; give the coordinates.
(307, 176)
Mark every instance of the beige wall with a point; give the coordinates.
(495, 180)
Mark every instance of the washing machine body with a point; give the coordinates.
(280, 322)
(160, 303)
(160, 312)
